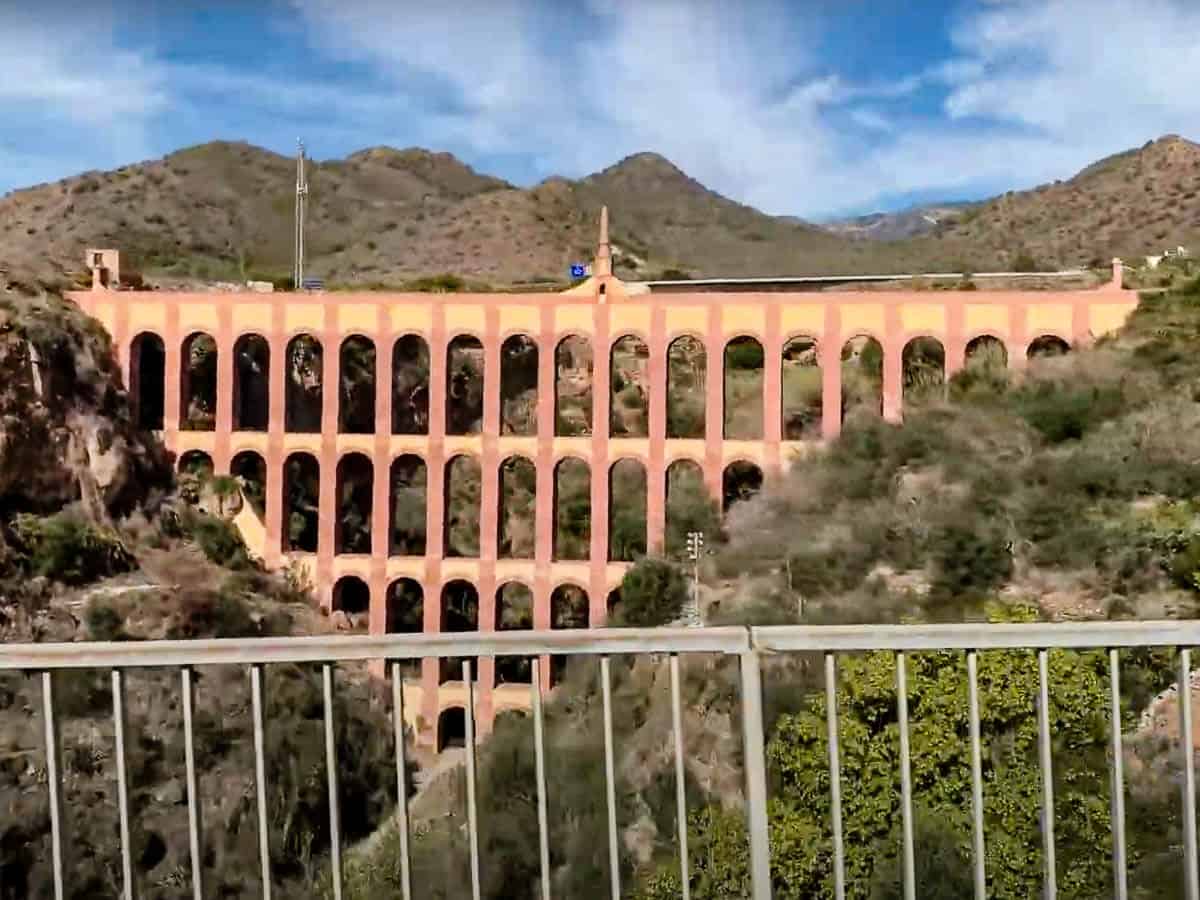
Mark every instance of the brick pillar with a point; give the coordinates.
(382, 474)
(601, 391)
(1081, 333)
(327, 530)
(172, 372)
(714, 402)
(489, 510)
(545, 500)
(1018, 335)
(656, 469)
(830, 356)
(956, 340)
(435, 514)
(772, 391)
(276, 406)
(893, 365)
(121, 339)
(225, 374)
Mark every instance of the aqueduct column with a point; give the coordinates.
(276, 391)
(381, 485)
(331, 356)
(601, 376)
(544, 467)
(714, 403)
(772, 388)
(830, 356)
(435, 501)
(489, 507)
(656, 471)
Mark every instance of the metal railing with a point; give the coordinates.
(746, 643)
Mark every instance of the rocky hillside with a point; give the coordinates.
(906, 223)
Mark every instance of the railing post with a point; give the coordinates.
(754, 751)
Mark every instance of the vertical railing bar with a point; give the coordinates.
(54, 783)
(539, 755)
(909, 869)
(472, 810)
(335, 836)
(187, 687)
(129, 890)
(401, 779)
(1051, 883)
(976, 775)
(754, 752)
(835, 777)
(1120, 863)
(1189, 774)
(680, 785)
(260, 777)
(610, 784)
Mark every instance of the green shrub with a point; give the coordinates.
(217, 538)
(104, 623)
(744, 355)
(1062, 412)
(653, 592)
(215, 614)
(67, 547)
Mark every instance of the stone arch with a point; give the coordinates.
(862, 376)
(303, 380)
(197, 464)
(985, 351)
(405, 614)
(301, 503)
(352, 597)
(626, 510)
(572, 509)
(689, 506)
(514, 612)
(629, 387)
(687, 369)
(410, 385)
(461, 505)
(250, 470)
(460, 613)
(743, 389)
(1045, 345)
(569, 608)
(408, 497)
(451, 728)
(802, 389)
(356, 385)
(517, 520)
(923, 363)
(464, 385)
(740, 481)
(198, 383)
(355, 495)
(251, 383)
(147, 380)
(518, 385)
(573, 362)
(612, 604)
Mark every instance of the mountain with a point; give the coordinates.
(223, 211)
(906, 223)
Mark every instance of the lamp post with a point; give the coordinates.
(695, 547)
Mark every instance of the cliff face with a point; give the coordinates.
(66, 432)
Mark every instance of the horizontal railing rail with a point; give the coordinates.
(747, 643)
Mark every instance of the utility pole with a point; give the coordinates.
(301, 202)
(695, 547)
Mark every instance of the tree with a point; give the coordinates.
(653, 592)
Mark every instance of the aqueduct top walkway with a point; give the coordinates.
(432, 328)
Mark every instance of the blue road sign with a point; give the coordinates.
(578, 270)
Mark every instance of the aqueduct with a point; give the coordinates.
(459, 400)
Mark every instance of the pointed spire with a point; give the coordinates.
(603, 262)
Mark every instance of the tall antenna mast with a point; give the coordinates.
(301, 201)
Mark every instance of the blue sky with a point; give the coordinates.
(816, 109)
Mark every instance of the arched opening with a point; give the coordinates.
(514, 612)
(740, 481)
(301, 503)
(409, 486)
(303, 384)
(198, 383)
(197, 464)
(518, 385)
(464, 386)
(612, 604)
(924, 368)
(251, 383)
(460, 612)
(356, 386)
(352, 598)
(406, 615)
(686, 394)
(568, 609)
(862, 377)
(461, 505)
(986, 354)
(410, 385)
(743, 390)
(800, 379)
(1047, 345)
(250, 470)
(518, 512)
(452, 728)
(689, 507)
(629, 388)
(147, 380)
(572, 509)
(355, 491)
(627, 511)
(573, 387)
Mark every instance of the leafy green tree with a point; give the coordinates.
(653, 592)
